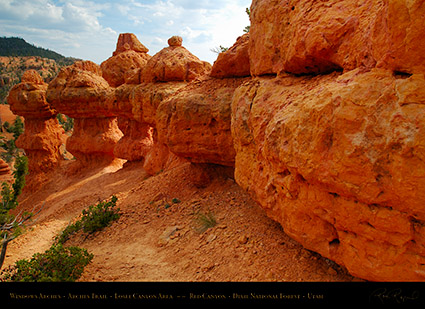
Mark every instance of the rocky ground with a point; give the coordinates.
(157, 237)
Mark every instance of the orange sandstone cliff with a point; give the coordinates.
(318, 113)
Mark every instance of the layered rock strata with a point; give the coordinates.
(42, 136)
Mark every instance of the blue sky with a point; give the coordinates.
(90, 29)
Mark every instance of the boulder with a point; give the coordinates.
(235, 61)
(28, 98)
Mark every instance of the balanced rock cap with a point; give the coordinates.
(32, 76)
(127, 41)
(175, 41)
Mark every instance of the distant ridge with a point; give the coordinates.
(17, 56)
(18, 47)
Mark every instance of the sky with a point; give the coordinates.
(89, 30)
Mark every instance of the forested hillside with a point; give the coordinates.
(18, 47)
(17, 56)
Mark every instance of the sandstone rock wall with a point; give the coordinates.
(338, 161)
(333, 146)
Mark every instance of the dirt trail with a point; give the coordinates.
(156, 239)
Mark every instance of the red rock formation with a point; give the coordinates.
(42, 136)
(164, 74)
(137, 139)
(145, 100)
(195, 122)
(174, 63)
(127, 61)
(129, 41)
(328, 135)
(337, 159)
(235, 61)
(122, 70)
(5, 172)
(80, 92)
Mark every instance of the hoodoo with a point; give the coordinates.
(42, 136)
(79, 91)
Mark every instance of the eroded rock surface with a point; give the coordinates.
(235, 61)
(174, 63)
(334, 150)
(195, 122)
(137, 140)
(127, 61)
(5, 172)
(311, 37)
(338, 161)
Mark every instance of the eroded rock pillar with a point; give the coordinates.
(80, 91)
(43, 135)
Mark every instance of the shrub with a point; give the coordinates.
(94, 219)
(203, 222)
(100, 216)
(56, 264)
(9, 195)
(10, 225)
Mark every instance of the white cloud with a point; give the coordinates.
(203, 24)
(89, 29)
(68, 27)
